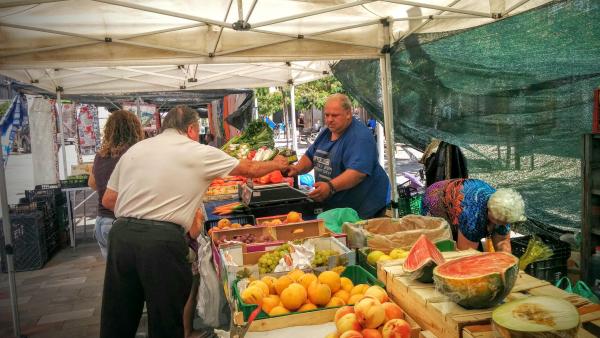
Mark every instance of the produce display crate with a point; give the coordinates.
(409, 201)
(362, 253)
(236, 257)
(75, 182)
(282, 218)
(240, 219)
(435, 312)
(28, 237)
(357, 274)
(551, 269)
(309, 210)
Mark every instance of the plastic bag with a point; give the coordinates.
(580, 289)
(212, 308)
(335, 218)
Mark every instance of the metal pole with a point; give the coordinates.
(61, 128)
(139, 111)
(255, 115)
(293, 105)
(385, 65)
(380, 141)
(8, 245)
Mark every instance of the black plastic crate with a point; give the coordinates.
(47, 186)
(240, 219)
(551, 269)
(309, 210)
(28, 237)
(76, 182)
(55, 196)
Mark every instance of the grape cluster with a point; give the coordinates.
(322, 257)
(268, 261)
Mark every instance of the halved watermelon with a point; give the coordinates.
(422, 258)
(477, 282)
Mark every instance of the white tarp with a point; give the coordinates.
(101, 46)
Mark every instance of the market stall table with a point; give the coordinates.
(435, 312)
(71, 194)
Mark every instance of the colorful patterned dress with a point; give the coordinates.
(463, 203)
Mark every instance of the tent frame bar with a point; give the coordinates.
(312, 13)
(443, 8)
(515, 6)
(9, 4)
(165, 12)
(424, 23)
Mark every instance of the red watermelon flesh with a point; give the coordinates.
(479, 265)
(422, 258)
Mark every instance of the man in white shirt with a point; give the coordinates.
(155, 191)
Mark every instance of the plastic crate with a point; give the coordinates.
(52, 195)
(77, 182)
(357, 274)
(409, 201)
(47, 186)
(361, 254)
(240, 219)
(551, 269)
(28, 237)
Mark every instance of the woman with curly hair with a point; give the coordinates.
(122, 130)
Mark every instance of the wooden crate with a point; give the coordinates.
(436, 313)
(307, 318)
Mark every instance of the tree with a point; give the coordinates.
(308, 95)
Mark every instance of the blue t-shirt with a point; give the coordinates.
(355, 149)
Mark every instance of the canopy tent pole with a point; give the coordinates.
(385, 66)
(137, 107)
(61, 127)
(9, 249)
(255, 110)
(293, 105)
(380, 143)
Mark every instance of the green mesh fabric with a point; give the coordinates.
(515, 95)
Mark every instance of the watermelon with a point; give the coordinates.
(477, 282)
(422, 258)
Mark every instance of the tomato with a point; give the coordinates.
(276, 177)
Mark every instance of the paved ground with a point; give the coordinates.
(61, 300)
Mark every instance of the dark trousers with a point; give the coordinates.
(146, 262)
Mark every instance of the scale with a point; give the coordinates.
(254, 195)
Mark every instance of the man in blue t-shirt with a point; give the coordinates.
(345, 159)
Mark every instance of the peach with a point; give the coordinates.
(306, 279)
(392, 311)
(293, 296)
(282, 283)
(396, 328)
(378, 293)
(268, 303)
(295, 274)
(342, 311)
(335, 302)
(371, 333)
(332, 279)
(369, 312)
(307, 307)
(355, 298)
(252, 295)
(351, 334)
(278, 311)
(270, 281)
(262, 285)
(319, 294)
(347, 284)
(342, 294)
(360, 288)
(347, 322)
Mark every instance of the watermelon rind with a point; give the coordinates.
(423, 271)
(477, 292)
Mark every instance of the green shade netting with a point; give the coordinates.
(516, 95)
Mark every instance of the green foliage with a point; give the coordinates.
(310, 94)
(4, 107)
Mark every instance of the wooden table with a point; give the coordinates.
(436, 313)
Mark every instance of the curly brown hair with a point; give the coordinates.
(122, 130)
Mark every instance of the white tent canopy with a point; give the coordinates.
(99, 46)
(114, 46)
